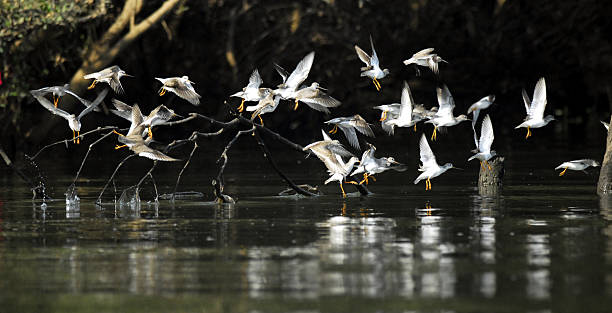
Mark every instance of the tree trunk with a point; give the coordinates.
(490, 181)
(605, 173)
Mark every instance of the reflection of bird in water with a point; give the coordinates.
(429, 166)
(330, 152)
(74, 122)
(576, 165)
(484, 152)
(348, 125)
(110, 75)
(370, 165)
(60, 91)
(426, 58)
(133, 140)
(444, 117)
(535, 108)
(181, 86)
(372, 68)
(252, 91)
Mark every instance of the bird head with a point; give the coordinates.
(462, 118)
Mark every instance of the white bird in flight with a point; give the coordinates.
(372, 68)
(484, 152)
(429, 166)
(535, 108)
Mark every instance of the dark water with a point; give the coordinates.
(543, 245)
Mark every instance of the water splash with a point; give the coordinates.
(73, 202)
(129, 202)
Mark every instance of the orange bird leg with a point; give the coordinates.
(119, 147)
(296, 105)
(561, 174)
(93, 84)
(241, 107)
(384, 116)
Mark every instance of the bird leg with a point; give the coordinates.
(334, 130)
(93, 84)
(365, 179)
(528, 133)
(150, 132)
(241, 107)
(55, 100)
(384, 116)
(260, 120)
(116, 132)
(488, 165)
(376, 84)
(162, 92)
(433, 136)
(78, 139)
(119, 147)
(427, 184)
(73, 136)
(296, 105)
(482, 166)
(561, 174)
(342, 188)
(415, 127)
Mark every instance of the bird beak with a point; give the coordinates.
(128, 75)
(457, 168)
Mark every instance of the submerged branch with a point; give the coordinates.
(218, 183)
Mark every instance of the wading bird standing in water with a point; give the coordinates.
(372, 68)
(535, 108)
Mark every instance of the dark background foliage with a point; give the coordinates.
(494, 47)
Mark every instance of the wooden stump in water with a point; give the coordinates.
(490, 181)
(604, 185)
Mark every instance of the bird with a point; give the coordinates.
(425, 57)
(429, 166)
(266, 105)
(252, 91)
(444, 116)
(405, 117)
(535, 108)
(181, 86)
(369, 165)
(372, 68)
(74, 122)
(576, 165)
(475, 110)
(483, 151)
(109, 75)
(60, 91)
(134, 141)
(330, 152)
(606, 125)
(315, 97)
(287, 89)
(158, 116)
(348, 125)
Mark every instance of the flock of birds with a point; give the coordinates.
(331, 152)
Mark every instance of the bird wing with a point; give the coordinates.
(187, 92)
(49, 106)
(144, 151)
(282, 72)
(116, 85)
(374, 59)
(83, 101)
(92, 106)
(389, 128)
(526, 100)
(445, 101)
(362, 126)
(321, 102)
(137, 119)
(538, 103)
(433, 65)
(363, 56)
(422, 53)
(427, 157)
(301, 71)
(406, 102)
(351, 135)
(486, 135)
(255, 80)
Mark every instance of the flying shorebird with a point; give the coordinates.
(370, 165)
(181, 86)
(475, 110)
(429, 166)
(535, 108)
(252, 91)
(158, 116)
(444, 117)
(60, 91)
(291, 82)
(348, 125)
(405, 117)
(483, 151)
(74, 122)
(109, 75)
(315, 98)
(134, 141)
(330, 152)
(425, 57)
(576, 165)
(266, 105)
(372, 68)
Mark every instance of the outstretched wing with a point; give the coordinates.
(374, 59)
(137, 119)
(363, 56)
(301, 71)
(526, 100)
(406, 102)
(423, 53)
(538, 104)
(255, 80)
(486, 135)
(351, 136)
(49, 106)
(445, 101)
(94, 104)
(427, 157)
(282, 72)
